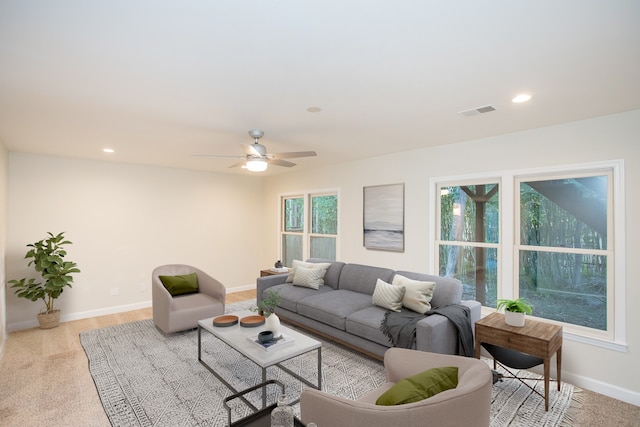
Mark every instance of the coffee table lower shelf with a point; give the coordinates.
(260, 418)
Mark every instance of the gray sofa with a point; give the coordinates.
(342, 308)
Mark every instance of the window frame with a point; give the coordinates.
(487, 180)
(509, 245)
(306, 234)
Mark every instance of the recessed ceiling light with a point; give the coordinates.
(108, 150)
(523, 97)
(314, 109)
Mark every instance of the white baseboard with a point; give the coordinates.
(27, 324)
(241, 288)
(17, 326)
(619, 393)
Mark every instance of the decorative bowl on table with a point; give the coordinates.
(265, 336)
(252, 321)
(225, 320)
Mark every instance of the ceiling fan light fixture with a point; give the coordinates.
(257, 165)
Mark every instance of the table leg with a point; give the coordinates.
(559, 365)
(319, 368)
(547, 362)
(199, 343)
(264, 389)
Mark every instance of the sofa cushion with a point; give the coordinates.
(388, 296)
(309, 277)
(332, 308)
(417, 294)
(362, 278)
(448, 290)
(290, 295)
(365, 323)
(420, 386)
(180, 285)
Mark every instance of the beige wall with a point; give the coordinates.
(604, 138)
(4, 167)
(124, 220)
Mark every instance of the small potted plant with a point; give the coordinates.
(267, 308)
(47, 257)
(268, 305)
(514, 310)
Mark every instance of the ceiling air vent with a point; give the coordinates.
(478, 110)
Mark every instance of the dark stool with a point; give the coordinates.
(514, 359)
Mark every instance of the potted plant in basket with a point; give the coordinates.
(47, 257)
(267, 308)
(514, 310)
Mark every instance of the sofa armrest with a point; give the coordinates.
(401, 363)
(437, 334)
(327, 410)
(160, 297)
(476, 311)
(212, 287)
(264, 283)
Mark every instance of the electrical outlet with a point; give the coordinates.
(115, 291)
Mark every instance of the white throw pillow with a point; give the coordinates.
(309, 277)
(417, 295)
(297, 263)
(388, 296)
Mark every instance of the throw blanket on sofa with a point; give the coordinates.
(400, 326)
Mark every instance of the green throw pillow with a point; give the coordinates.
(420, 386)
(180, 285)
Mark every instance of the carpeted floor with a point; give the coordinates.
(147, 378)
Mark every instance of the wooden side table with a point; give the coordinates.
(269, 272)
(536, 338)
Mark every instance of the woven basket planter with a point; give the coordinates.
(49, 320)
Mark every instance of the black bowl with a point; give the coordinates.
(265, 336)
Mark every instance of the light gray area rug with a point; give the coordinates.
(147, 378)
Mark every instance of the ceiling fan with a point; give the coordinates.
(256, 158)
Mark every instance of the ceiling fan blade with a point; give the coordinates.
(294, 154)
(279, 162)
(239, 164)
(215, 155)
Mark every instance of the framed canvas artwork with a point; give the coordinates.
(384, 217)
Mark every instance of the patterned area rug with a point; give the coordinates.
(146, 378)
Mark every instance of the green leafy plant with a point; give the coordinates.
(268, 305)
(515, 306)
(47, 257)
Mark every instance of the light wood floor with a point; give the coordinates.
(45, 380)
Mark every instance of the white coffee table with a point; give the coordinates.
(236, 337)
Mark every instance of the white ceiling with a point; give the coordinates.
(160, 80)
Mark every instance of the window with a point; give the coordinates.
(469, 238)
(292, 229)
(562, 253)
(553, 237)
(309, 227)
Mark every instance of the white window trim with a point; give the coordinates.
(306, 195)
(507, 179)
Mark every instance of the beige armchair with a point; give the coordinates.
(468, 404)
(182, 312)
